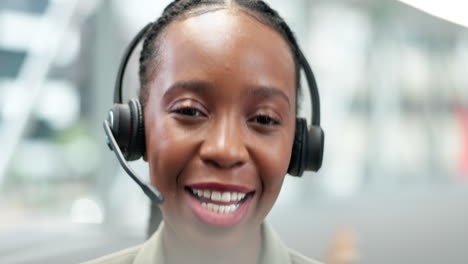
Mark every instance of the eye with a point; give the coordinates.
(265, 120)
(189, 111)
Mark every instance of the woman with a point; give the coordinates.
(220, 81)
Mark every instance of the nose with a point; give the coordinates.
(224, 145)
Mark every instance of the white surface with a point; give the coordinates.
(454, 11)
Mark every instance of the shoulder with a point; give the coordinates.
(151, 251)
(126, 256)
(298, 258)
(275, 251)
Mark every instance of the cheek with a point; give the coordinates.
(167, 151)
(273, 168)
(278, 166)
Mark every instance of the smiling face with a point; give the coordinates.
(219, 124)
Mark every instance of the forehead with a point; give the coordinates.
(229, 40)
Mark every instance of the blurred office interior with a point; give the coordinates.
(393, 83)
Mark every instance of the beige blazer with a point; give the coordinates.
(150, 252)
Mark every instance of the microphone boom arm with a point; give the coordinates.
(148, 189)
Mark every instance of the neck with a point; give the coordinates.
(219, 250)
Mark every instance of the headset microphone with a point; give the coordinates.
(124, 126)
(148, 189)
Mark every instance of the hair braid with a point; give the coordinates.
(150, 46)
(271, 17)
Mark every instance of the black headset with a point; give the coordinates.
(125, 132)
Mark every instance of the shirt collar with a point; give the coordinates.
(273, 249)
(152, 250)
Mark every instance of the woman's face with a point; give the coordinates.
(219, 124)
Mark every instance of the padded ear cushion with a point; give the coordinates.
(136, 147)
(298, 155)
(120, 122)
(315, 144)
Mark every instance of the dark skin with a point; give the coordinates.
(221, 109)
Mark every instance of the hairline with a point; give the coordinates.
(203, 9)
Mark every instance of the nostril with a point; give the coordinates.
(211, 163)
(222, 164)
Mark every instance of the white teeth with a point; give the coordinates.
(220, 209)
(226, 197)
(219, 196)
(215, 196)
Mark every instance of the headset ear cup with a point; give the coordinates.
(120, 123)
(298, 154)
(315, 146)
(136, 147)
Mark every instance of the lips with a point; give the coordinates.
(218, 204)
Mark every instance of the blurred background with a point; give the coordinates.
(393, 82)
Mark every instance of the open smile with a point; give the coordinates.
(217, 204)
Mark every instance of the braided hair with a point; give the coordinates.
(180, 9)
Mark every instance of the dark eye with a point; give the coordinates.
(265, 120)
(189, 111)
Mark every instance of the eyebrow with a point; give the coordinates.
(267, 91)
(193, 86)
(203, 87)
